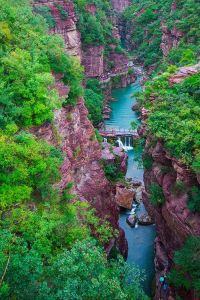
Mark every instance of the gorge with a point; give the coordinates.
(69, 72)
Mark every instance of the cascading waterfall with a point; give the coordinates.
(127, 143)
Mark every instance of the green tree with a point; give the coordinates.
(186, 272)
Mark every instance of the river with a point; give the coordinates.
(140, 239)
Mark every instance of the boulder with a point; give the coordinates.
(124, 196)
(138, 194)
(131, 220)
(135, 107)
(145, 220)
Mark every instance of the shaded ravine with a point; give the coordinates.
(140, 239)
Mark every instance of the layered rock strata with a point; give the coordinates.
(120, 5)
(65, 26)
(174, 221)
(74, 134)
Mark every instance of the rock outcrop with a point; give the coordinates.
(120, 5)
(93, 61)
(124, 196)
(110, 153)
(170, 38)
(184, 72)
(65, 26)
(174, 221)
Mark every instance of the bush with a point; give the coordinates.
(194, 199)
(112, 172)
(147, 161)
(156, 195)
(45, 12)
(28, 167)
(178, 187)
(27, 95)
(94, 101)
(186, 272)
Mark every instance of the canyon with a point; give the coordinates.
(75, 134)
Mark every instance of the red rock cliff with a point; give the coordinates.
(75, 135)
(64, 26)
(120, 5)
(174, 221)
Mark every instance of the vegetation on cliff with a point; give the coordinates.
(96, 27)
(173, 117)
(186, 272)
(147, 20)
(94, 99)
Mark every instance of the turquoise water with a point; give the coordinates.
(140, 239)
(122, 115)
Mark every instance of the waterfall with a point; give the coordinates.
(105, 140)
(120, 144)
(127, 143)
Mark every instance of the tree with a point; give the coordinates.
(186, 272)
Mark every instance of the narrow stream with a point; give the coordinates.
(140, 239)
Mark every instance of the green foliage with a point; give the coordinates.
(156, 194)
(130, 71)
(98, 136)
(95, 29)
(174, 116)
(194, 199)
(63, 12)
(28, 167)
(116, 80)
(47, 248)
(147, 161)
(28, 55)
(45, 12)
(86, 260)
(186, 272)
(143, 21)
(77, 151)
(179, 187)
(112, 172)
(94, 100)
(42, 260)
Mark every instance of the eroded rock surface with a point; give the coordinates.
(174, 221)
(124, 196)
(65, 27)
(120, 5)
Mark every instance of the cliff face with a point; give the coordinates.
(75, 135)
(170, 39)
(120, 5)
(174, 221)
(64, 25)
(93, 61)
(104, 65)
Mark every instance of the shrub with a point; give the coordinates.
(28, 167)
(186, 272)
(178, 187)
(63, 12)
(147, 161)
(94, 101)
(194, 199)
(156, 195)
(45, 12)
(112, 172)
